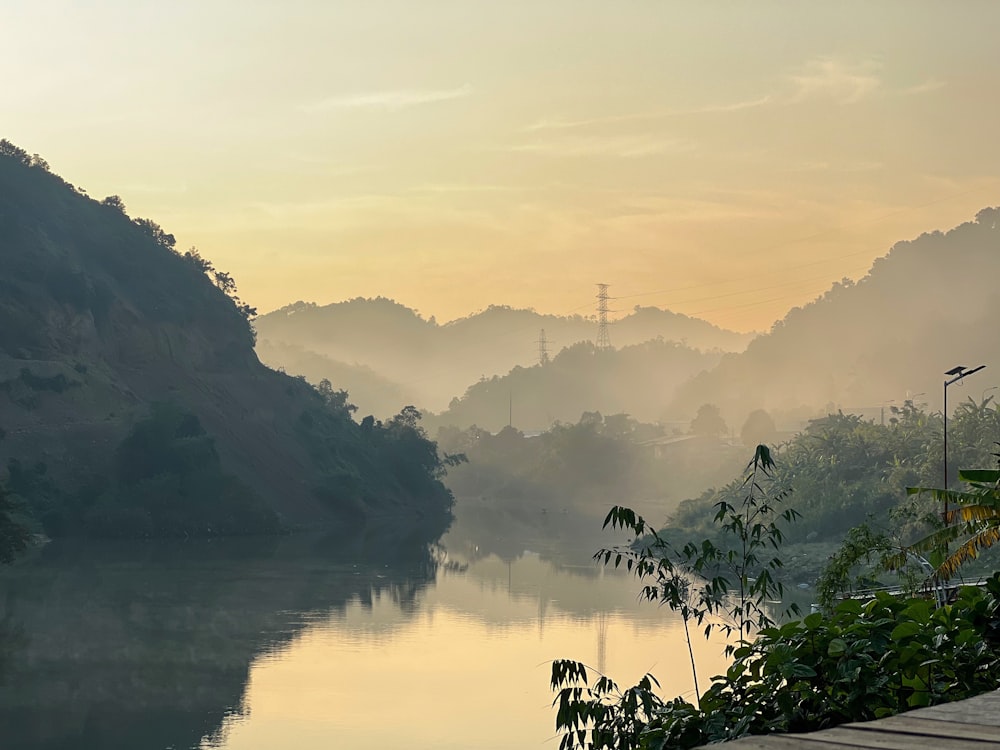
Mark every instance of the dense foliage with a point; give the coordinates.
(167, 481)
(862, 343)
(861, 662)
(375, 465)
(855, 662)
(101, 317)
(637, 379)
(845, 470)
(14, 536)
(973, 517)
(115, 248)
(726, 586)
(585, 463)
(407, 358)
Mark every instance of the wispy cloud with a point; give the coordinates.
(449, 188)
(843, 81)
(557, 124)
(931, 84)
(365, 210)
(388, 100)
(625, 146)
(731, 107)
(829, 166)
(153, 189)
(671, 210)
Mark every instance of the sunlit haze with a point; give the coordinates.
(723, 160)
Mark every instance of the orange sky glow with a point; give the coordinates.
(724, 160)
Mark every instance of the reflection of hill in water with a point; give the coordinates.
(544, 560)
(557, 532)
(125, 642)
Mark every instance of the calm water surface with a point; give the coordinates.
(315, 643)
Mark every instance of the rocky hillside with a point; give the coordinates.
(100, 319)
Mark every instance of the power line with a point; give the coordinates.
(603, 340)
(543, 348)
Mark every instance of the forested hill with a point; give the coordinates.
(637, 380)
(131, 399)
(415, 360)
(928, 305)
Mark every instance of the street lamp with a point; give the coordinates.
(955, 374)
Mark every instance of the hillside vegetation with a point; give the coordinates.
(639, 380)
(408, 359)
(926, 306)
(843, 471)
(131, 399)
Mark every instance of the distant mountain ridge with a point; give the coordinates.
(429, 364)
(928, 305)
(639, 380)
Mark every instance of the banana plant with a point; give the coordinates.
(973, 516)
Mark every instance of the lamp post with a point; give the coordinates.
(954, 375)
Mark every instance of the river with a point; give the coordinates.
(312, 643)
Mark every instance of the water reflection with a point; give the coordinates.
(150, 645)
(359, 642)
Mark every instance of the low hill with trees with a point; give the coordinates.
(430, 363)
(844, 470)
(638, 380)
(926, 306)
(132, 402)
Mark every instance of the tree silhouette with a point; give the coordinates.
(708, 422)
(759, 428)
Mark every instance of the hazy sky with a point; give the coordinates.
(723, 159)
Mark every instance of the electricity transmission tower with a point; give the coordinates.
(603, 340)
(543, 348)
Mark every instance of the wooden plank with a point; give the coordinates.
(779, 742)
(910, 724)
(970, 724)
(875, 738)
(983, 709)
(853, 741)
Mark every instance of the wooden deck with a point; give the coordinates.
(972, 724)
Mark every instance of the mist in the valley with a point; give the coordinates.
(393, 478)
(673, 406)
(426, 375)
(387, 355)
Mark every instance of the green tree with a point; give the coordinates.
(115, 202)
(844, 470)
(14, 537)
(709, 422)
(758, 428)
(155, 231)
(335, 400)
(973, 517)
(730, 584)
